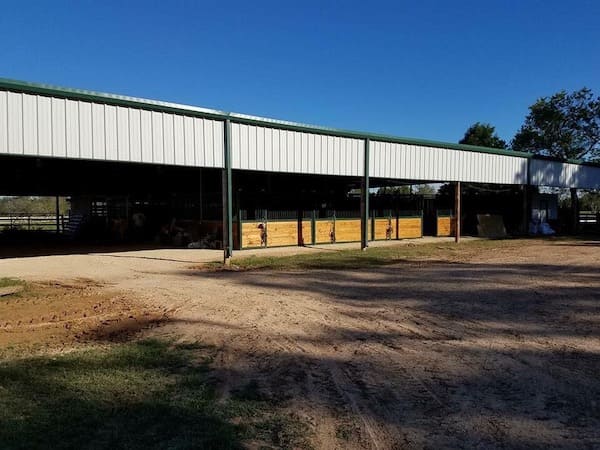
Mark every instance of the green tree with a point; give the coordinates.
(482, 135)
(565, 125)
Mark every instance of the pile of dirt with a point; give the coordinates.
(51, 314)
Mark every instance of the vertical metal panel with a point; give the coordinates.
(15, 123)
(297, 144)
(135, 135)
(178, 140)
(40, 125)
(252, 148)
(30, 125)
(98, 132)
(312, 154)
(268, 161)
(189, 142)
(264, 148)
(208, 140)
(304, 150)
(44, 126)
(72, 127)
(3, 122)
(200, 154)
(110, 127)
(415, 162)
(59, 131)
(260, 147)
(168, 139)
(85, 130)
(146, 136)
(565, 175)
(217, 146)
(157, 137)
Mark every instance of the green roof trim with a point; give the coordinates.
(176, 108)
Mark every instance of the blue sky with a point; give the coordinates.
(423, 68)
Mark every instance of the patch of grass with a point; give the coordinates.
(137, 395)
(8, 282)
(373, 257)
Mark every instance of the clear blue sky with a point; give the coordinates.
(410, 68)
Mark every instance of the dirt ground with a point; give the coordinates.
(56, 315)
(497, 347)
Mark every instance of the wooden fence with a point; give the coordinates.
(312, 230)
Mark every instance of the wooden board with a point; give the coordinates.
(306, 232)
(385, 229)
(282, 233)
(410, 227)
(347, 230)
(445, 226)
(323, 230)
(251, 234)
(279, 233)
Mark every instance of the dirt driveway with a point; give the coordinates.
(496, 347)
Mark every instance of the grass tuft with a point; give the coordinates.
(357, 259)
(138, 395)
(9, 282)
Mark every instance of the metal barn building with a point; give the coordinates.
(82, 144)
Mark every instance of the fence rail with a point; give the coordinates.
(589, 217)
(31, 222)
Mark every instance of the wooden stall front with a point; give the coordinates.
(324, 231)
(410, 227)
(445, 224)
(275, 233)
(347, 230)
(384, 228)
(252, 234)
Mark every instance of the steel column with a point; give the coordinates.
(364, 200)
(227, 197)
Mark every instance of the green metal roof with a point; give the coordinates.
(123, 100)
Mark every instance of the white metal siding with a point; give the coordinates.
(36, 125)
(415, 162)
(565, 175)
(271, 149)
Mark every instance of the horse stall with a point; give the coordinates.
(410, 224)
(445, 223)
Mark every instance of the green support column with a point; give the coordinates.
(227, 197)
(364, 201)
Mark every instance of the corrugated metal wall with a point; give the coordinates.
(272, 149)
(565, 175)
(41, 125)
(47, 126)
(415, 162)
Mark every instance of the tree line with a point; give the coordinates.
(565, 125)
(32, 205)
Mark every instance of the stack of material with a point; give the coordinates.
(490, 225)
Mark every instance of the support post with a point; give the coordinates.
(457, 212)
(364, 200)
(574, 211)
(227, 197)
(57, 214)
(526, 214)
